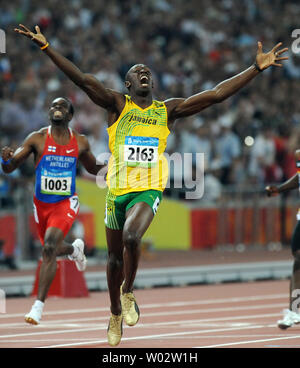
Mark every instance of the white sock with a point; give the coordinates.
(38, 304)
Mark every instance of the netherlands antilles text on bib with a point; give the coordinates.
(56, 170)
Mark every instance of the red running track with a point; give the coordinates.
(201, 316)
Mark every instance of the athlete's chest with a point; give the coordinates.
(149, 123)
(50, 149)
(56, 170)
(58, 158)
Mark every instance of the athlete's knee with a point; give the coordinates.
(49, 251)
(51, 247)
(131, 240)
(114, 262)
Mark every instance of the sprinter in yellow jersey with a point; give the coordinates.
(138, 131)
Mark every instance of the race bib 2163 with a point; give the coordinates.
(141, 151)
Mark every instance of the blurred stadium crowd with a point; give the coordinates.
(190, 46)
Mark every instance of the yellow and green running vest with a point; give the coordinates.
(137, 141)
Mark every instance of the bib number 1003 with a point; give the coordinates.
(56, 185)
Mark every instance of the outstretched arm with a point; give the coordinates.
(292, 183)
(181, 107)
(102, 96)
(13, 159)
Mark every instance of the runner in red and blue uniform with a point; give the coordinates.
(57, 149)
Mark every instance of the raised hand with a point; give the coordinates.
(7, 153)
(37, 37)
(264, 60)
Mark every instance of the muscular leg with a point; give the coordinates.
(53, 246)
(291, 315)
(295, 279)
(138, 219)
(124, 252)
(114, 268)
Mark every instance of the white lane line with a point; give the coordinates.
(218, 301)
(54, 313)
(92, 339)
(50, 332)
(76, 321)
(151, 325)
(159, 305)
(194, 322)
(45, 340)
(249, 342)
(140, 325)
(215, 337)
(157, 336)
(215, 310)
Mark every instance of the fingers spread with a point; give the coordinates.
(281, 51)
(20, 31)
(276, 47)
(26, 29)
(23, 32)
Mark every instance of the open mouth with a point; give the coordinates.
(144, 81)
(57, 114)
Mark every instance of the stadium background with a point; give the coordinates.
(248, 140)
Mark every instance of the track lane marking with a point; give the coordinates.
(184, 333)
(248, 342)
(191, 311)
(65, 322)
(158, 305)
(140, 325)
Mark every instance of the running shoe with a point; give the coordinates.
(80, 259)
(115, 329)
(34, 316)
(289, 319)
(130, 309)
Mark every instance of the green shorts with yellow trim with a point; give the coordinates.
(117, 206)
